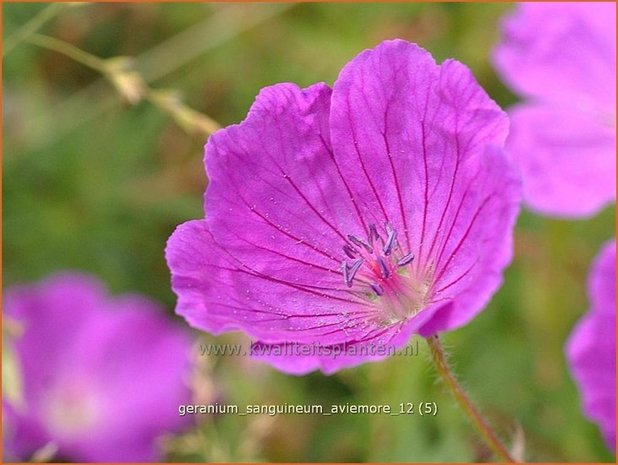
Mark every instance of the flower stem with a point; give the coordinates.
(68, 50)
(469, 409)
(130, 84)
(31, 26)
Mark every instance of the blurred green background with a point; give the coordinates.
(95, 184)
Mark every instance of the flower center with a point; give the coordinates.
(73, 410)
(380, 269)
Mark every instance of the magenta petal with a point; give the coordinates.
(274, 195)
(567, 159)
(413, 139)
(402, 127)
(218, 293)
(479, 244)
(300, 359)
(591, 349)
(67, 298)
(561, 52)
(102, 377)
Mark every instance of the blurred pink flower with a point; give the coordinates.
(591, 350)
(102, 377)
(561, 58)
(354, 216)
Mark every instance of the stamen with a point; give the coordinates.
(405, 260)
(360, 243)
(383, 267)
(344, 269)
(382, 255)
(373, 234)
(379, 290)
(390, 242)
(350, 251)
(356, 264)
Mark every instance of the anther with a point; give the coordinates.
(351, 272)
(360, 243)
(377, 289)
(350, 251)
(406, 260)
(373, 234)
(344, 269)
(390, 242)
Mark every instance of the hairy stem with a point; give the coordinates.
(472, 413)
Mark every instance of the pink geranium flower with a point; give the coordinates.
(591, 350)
(352, 216)
(561, 58)
(102, 377)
